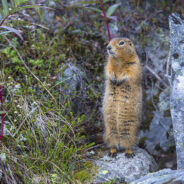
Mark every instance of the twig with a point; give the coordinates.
(152, 97)
(96, 146)
(106, 21)
(2, 115)
(4, 19)
(168, 70)
(156, 75)
(11, 174)
(68, 25)
(168, 63)
(3, 171)
(24, 121)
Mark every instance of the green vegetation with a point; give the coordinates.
(44, 139)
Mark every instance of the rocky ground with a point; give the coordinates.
(122, 169)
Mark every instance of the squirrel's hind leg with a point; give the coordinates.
(112, 140)
(129, 153)
(113, 152)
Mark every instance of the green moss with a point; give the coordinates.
(83, 175)
(86, 174)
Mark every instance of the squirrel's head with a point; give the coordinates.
(121, 48)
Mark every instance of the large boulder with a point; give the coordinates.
(176, 24)
(124, 169)
(73, 80)
(166, 176)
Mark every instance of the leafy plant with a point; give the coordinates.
(112, 9)
(87, 4)
(10, 9)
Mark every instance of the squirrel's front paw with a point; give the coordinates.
(113, 79)
(119, 82)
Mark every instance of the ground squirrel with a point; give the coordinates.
(122, 102)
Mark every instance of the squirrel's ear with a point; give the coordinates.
(130, 43)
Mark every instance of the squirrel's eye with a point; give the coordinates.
(121, 42)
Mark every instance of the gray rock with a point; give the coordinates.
(113, 27)
(176, 24)
(160, 126)
(166, 176)
(48, 16)
(41, 122)
(72, 76)
(157, 51)
(125, 169)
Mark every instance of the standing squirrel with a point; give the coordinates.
(122, 104)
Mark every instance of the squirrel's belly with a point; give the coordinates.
(127, 114)
(109, 108)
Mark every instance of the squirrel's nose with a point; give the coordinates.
(109, 47)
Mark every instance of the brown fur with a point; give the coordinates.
(123, 95)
